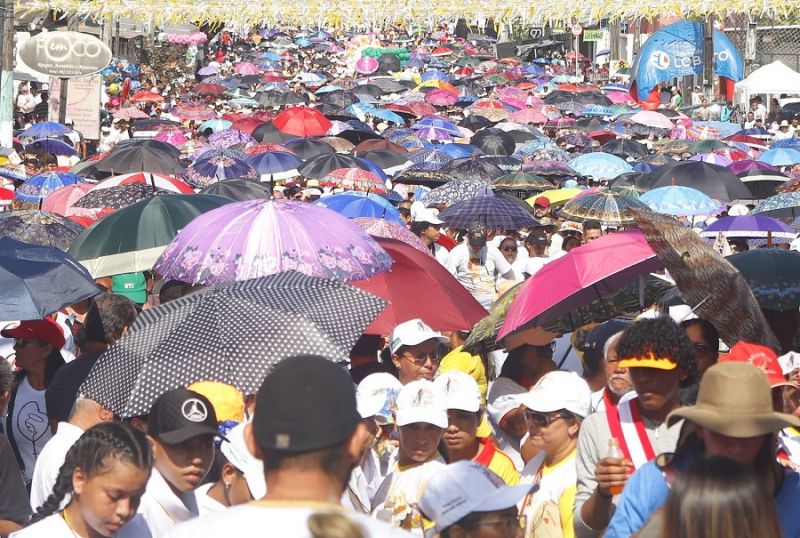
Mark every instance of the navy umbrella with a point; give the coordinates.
(39, 280)
(496, 212)
(494, 141)
(278, 164)
(51, 146)
(308, 148)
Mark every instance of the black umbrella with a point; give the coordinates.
(494, 142)
(429, 178)
(505, 163)
(521, 181)
(716, 182)
(559, 96)
(37, 280)
(388, 63)
(356, 136)
(239, 190)
(388, 85)
(589, 124)
(339, 98)
(368, 89)
(147, 124)
(388, 161)
(520, 136)
(133, 159)
(245, 81)
(149, 143)
(119, 196)
(322, 165)
(308, 148)
(626, 148)
(233, 333)
(593, 98)
(269, 134)
(475, 122)
(330, 109)
(635, 180)
(276, 98)
(473, 168)
(762, 183)
(39, 228)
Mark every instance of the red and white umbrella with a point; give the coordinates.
(159, 180)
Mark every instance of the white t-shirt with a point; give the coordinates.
(205, 504)
(480, 278)
(396, 500)
(159, 511)
(284, 519)
(29, 425)
(535, 264)
(52, 526)
(555, 482)
(441, 254)
(50, 461)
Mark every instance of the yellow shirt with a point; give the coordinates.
(472, 365)
(558, 484)
(497, 461)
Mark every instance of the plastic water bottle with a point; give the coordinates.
(614, 451)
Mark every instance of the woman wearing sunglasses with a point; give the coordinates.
(554, 409)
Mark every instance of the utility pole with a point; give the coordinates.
(7, 74)
(708, 57)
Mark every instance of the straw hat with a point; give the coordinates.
(734, 400)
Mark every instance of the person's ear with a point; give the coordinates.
(105, 414)
(228, 473)
(153, 446)
(357, 442)
(396, 361)
(78, 481)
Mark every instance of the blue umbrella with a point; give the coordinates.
(52, 146)
(387, 115)
(38, 187)
(793, 142)
(597, 110)
(361, 204)
(270, 56)
(680, 201)
(435, 74)
(428, 159)
(244, 101)
(438, 123)
(278, 164)
(600, 165)
(372, 167)
(459, 151)
(725, 128)
(45, 129)
(452, 192)
(781, 206)
(216, 125)
(780, 156)
(496, 212)
(328, 89)
(754, 131)
(644, 168)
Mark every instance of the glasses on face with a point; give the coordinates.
(509, 249)
(542, 420)
(509, 523)
(420, 357)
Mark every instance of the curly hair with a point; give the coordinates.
(663, 338)
(91, 453)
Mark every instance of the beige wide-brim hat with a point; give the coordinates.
(735, 400)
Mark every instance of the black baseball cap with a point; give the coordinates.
(476, 235)
(596, 339)
(537, 238)
(306, 403)
(180, 414)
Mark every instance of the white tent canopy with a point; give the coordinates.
(774, 78)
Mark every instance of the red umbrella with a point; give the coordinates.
(147, 97)
(247, 125)
(205, 88)
(302, 121)
(418, 286)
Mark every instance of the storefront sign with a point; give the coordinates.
(65, 54)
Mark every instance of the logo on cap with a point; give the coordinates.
(194, 410)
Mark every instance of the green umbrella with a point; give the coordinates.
(131, 239)
(707, 146)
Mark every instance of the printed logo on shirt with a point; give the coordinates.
(194, 410)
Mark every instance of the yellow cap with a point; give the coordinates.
(648, 361)
(228, 402)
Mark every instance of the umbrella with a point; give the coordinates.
(322, 165)
(51, 146)
(417, 176)
(600, 165)
(209, 89)
(608, 207)
(651, 118)
(473, 168)
(354, 179)
(45, 129)
(232, 333)
(557, 196)
(772, 275)
(360, 204)
(39, 228)
(780, 157)
(229, 138)
(785, 206)
(308, 148)
(496, 212)
(444, 305)
(707, 282)
(549, 168)
(707, 146)
(377, 227)
(218, 167)
(139, 158)
(493, 141)
(216, 125)
(596, 269)
(437, 123)
(38, 187)
(154, 180)
(146, 97)
(151, 143)
(367, 65)
(238, 190)
(624, 147)
(453, 192)
(258, 238)
(60, 201)
(714, 181)
(277, 165)
(302, 121)
(40, 280)
(193, 112)
(388, 161)
(680, 201)
(763, 183)
(749, 226)
(119, 196)
(522, 181)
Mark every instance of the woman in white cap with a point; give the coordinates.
(554, 409)
(421, 418)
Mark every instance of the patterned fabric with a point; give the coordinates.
(39, 228)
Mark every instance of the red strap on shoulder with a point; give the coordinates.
(614, 425)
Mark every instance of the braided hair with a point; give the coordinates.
(91, 453)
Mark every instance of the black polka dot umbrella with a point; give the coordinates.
(233, 333)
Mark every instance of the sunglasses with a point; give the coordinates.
(421, 357)
(542, 420)
(509, 249)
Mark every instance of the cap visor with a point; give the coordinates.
(658, 364)
(406, 417)
(184, 434)
(541, 403)
(502, 499)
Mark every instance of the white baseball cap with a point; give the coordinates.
(559, 390)
(421, 401)
(413, 332)
(502, 398)
(376, 396)
(428, 215)
(237, 453)
(460, 390)
(464, 487)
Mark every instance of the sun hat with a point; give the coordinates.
(571, 226)
(463, 487)
(412, 333)
(761, 357)
(460, 390)
(421, 401)
(559, 390)
(376, 396)
(237, 453)
(180, 414)
(46, 330)
(735, 400)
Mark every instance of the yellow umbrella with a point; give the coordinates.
(557, 196)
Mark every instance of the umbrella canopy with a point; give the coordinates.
(494, 142)
(763, 183)
(388, 161)
(40, 280)
(473, 168)
(278, 165)
(624, 148)
(714, 181)
(238, 190)
(45, 129)
(308, 148)
(139, 158)
(608, 207)
(780, 157)
(557, 196)
(119, 196)
(131, 239)
(453, 192)
(258, 238)
(596, 269)
(377, 227)
(232, 333)
(773, 276)
(360, 204)
(159, 181)
(522, 181)
(785, 206)
(749, 226)
(680, 201)
(322, 165)
(445, 304)
(354, 179)
(39, 228)
(600, 165)
(302, 121)
(37, 188)
(61, 200)
(496, 212)
(51, 146)
(211, 167)
(651, 118)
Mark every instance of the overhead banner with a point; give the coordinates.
(677, 50)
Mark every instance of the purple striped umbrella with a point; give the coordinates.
(263, 237)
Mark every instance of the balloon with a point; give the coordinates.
(113, 89)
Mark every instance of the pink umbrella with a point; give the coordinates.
(130, 113)
(390, 230)
(528, 115)
(441, 97)
(194, 111)
(712, 158)
(619, 98)
(512, 101)
(366, 65)
(533, 100)
(594, 270)
(172, 137)
(651, 118)
(61, 200)
(246, 68)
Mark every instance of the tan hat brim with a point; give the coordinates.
(734, 424)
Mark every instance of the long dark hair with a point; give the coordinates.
(91, 453)
(53, 362)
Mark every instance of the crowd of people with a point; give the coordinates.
(646, 424)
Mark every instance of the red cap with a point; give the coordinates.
(45, 330)
(542, 201)
(761, 357)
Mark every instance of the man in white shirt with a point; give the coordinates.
(536, 244)
(478, 266)
(426, 227)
